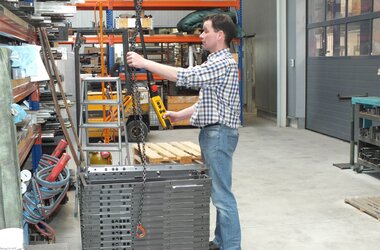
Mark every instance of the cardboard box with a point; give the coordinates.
(94, 61)
(236, 57)
(91, 70)
(91, 50)
(120, 23)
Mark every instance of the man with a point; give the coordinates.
(216, 113)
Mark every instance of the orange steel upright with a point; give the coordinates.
(106, 131)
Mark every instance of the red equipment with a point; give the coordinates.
(58, 168)
(59, 148)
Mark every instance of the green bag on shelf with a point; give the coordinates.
(194, 20)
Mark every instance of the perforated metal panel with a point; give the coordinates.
(175, 212)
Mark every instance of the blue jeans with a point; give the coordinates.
(218, 142)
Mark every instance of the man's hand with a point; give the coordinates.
(172, 115)
(183, 114)
(135, 60)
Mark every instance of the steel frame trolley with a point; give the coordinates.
(175, 212)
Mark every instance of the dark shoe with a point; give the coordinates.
(212, 246)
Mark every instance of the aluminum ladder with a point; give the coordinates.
(117, 122)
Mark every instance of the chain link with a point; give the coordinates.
(137, 112)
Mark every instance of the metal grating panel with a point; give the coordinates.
(175, 212)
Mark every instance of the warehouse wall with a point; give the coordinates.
(259, 18)
(296, 43)
(84, 19)
(329, 77)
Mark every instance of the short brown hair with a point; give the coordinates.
(224, 23)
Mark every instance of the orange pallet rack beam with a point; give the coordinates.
(142, 77)
(159, 4)
(147, 39)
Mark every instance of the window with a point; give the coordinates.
(336, 9)
(343, 28)
(376, 37)
(335, 44)
(316, 42)
(358, 7)
(376, 5)
(358, 38)
(316, 11)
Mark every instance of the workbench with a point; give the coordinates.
(367, 133)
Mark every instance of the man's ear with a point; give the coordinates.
(220, 35)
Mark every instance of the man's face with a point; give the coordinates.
(209, 37)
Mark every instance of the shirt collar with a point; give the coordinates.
(218, 53)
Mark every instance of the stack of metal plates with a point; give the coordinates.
(175, 210)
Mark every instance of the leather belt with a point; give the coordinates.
(210, 125)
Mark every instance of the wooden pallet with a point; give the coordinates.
(185, 152)
(369, 205)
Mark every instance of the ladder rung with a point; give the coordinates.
(101, 148)
(101, 102)
(101, 79)
(100, 125)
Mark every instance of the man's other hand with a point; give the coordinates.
(135, 60)
(172, 115)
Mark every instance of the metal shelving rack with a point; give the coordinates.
(160, 213)
(21, 92)
(367, 110)
(147, 39)
(165, 38)
(16, 28)
(160, 5)
(155, 5)
(29, 89)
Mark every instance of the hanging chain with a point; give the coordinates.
(136, 106)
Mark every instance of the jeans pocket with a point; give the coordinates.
(212, 133)
(233, 138)
(234, 133)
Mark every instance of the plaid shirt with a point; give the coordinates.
(219, 90)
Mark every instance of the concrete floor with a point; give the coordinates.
(290, 197)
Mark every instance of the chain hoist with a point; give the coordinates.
(156, 103)
(136, 107)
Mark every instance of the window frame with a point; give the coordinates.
(372, 34)
(340, 21)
